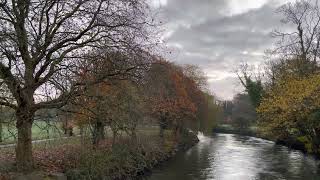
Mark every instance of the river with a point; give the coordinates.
(234, 157)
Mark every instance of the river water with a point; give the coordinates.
(234, 157)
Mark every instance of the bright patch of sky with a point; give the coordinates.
(242, 6)
(158, 3)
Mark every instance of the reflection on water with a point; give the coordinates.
(234, 157)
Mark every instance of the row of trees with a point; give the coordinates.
(171, 96)
(93, 60)
(45, 43)
(287, 97)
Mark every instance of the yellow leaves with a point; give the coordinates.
(291, 92)
(290, 101)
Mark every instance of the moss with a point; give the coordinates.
(307, 143)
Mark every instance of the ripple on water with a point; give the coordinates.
(233, 157)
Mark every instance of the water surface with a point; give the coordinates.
(234, 157)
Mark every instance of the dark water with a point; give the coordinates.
(233, 157)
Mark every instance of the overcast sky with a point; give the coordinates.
(218, 35)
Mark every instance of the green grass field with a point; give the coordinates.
(52, 129)
(40, 130)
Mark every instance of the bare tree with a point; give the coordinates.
(303, 44)
(195, 73)
(1, 124)
(41, 42)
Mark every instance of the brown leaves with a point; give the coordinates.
(54, 159)
(174, 95)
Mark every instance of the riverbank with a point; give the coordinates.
(230, 130)
(131, 161)
(290, 143)
(124, 160)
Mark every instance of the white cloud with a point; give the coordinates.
(224, 87)
(244, 52)
(158, 3)
(243, 6)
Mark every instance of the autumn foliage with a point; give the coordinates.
(175, 98)
(290, 110)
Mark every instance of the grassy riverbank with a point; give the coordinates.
(75, 159)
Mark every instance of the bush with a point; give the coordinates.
(122, 161)
(127, 160)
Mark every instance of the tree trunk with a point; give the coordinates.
(70, 131)
(177, 133)
(316, 141)
(162, 126)
(81, 131)
(98, 135)
(114, 136)
(1, 131)
(24, 156)
(161, 132)
(134, 136)
(65, 126)
(65, 130)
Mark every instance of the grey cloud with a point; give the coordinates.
(210, 38)
(193, 10)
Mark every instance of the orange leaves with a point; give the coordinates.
(173, 93)
(89, 104)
